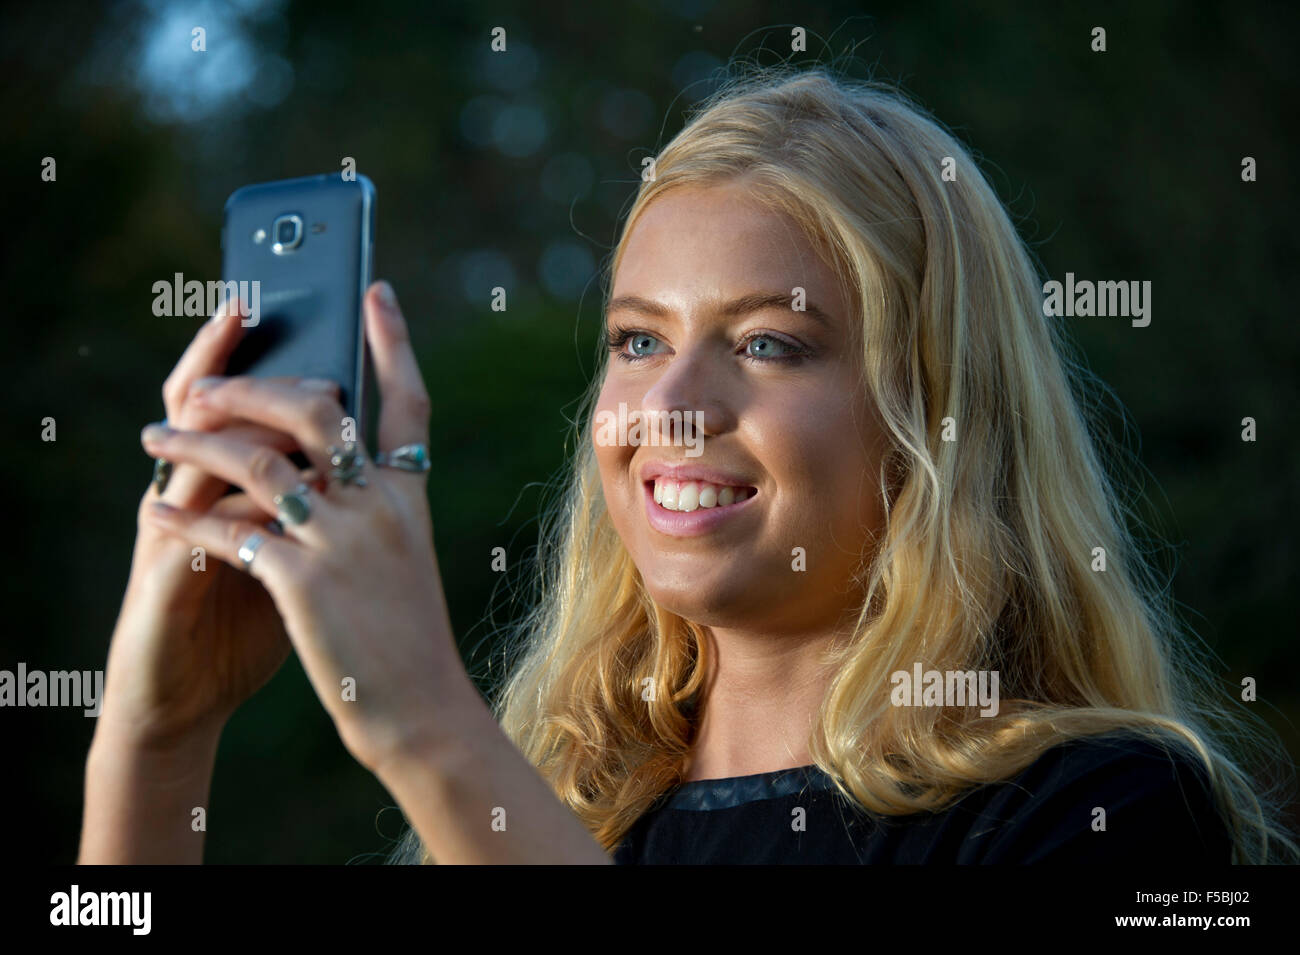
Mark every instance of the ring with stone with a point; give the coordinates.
(292, 507)
(409, 457)
(346, 464)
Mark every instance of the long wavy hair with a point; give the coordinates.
(986, 561)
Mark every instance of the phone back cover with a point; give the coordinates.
(309, 323)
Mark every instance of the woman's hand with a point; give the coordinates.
(358, 587)
(192, 643)
(357, 582)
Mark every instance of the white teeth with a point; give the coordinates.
(669, 496)
(688, 498)
(692, 495)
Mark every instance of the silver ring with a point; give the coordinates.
(248, 550)
(346, 464)
(409, 457)
(292, 507)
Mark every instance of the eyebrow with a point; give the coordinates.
(754, 302)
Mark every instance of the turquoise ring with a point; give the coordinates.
(409, 457)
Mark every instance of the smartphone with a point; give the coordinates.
(302, 251)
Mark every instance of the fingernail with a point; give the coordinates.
(162, 509)
(162, 474)
(318, 384)
(154, 432)
(387, 296)
(203, 384)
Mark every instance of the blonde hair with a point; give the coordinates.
(985, 563)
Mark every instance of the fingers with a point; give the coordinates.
(404, 401)
(276, 558)
(241, 507)
(198, 414)
(191, 487)
(206, 354)
(313, 418)
(262, 472)
(313, 421)
(195, 489)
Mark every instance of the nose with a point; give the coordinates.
(689, 391)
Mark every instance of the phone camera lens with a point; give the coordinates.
(287, 231)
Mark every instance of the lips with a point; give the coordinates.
(681, 473)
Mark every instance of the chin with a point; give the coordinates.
(709, 603)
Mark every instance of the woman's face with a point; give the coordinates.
(782, 413)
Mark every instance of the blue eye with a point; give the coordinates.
(618, 337)
(640, 339)
(759, 347)
(773, 349)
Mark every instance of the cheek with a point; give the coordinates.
(611, 457)
(813, 438)
(824, 453)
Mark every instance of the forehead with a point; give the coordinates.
(720, 242)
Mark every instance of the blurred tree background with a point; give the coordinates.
(512, 169)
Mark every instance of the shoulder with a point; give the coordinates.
(1105, 799)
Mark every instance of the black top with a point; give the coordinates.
(1157, 803)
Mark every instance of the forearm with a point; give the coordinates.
(475, 799)
(140, 799)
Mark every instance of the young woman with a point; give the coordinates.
(747, 654)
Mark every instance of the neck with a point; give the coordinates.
(759, 703)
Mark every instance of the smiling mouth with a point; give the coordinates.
(687, 496)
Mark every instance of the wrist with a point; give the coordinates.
(440, 741)
(141, 796)
(120, 738)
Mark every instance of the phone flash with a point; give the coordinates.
(317, 228)
(259, 236)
